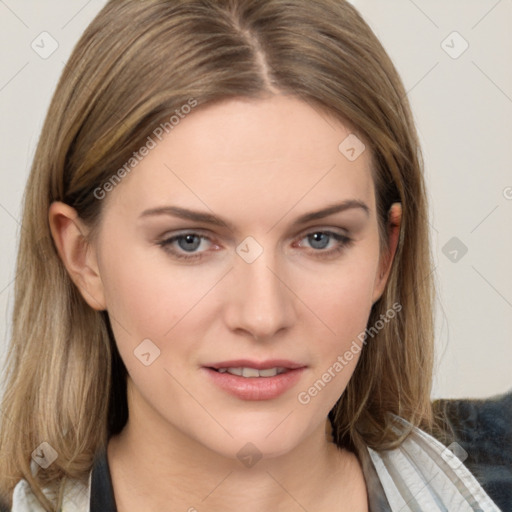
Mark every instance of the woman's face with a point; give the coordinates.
(258, 280)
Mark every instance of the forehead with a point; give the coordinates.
(252, 156)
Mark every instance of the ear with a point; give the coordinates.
(78, 256)
(386, 260)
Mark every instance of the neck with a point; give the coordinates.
(171, 468)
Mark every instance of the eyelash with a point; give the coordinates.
(345, 243)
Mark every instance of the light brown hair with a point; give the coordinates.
(137, 62)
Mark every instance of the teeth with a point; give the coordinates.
(252, 372)
(269, 372)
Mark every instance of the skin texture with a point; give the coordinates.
(259, 165)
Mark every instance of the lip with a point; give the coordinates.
(255, 388)
(259, 365)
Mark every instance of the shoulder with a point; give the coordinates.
(76, 497)
(423, 474)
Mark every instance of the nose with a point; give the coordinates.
(261, 301)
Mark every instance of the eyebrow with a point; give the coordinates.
(208, 218)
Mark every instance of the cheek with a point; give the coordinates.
(151, 299)
(342, 297)
(148, 296)
(150, 309)
(335, 356)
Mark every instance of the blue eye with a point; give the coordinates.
(190, 242)
(320, 240)
(185, 246)
(187, 242)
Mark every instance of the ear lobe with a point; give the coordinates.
(386, 261)
(78, 256)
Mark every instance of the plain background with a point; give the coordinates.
(462, 102)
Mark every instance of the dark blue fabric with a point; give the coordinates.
(483, 428)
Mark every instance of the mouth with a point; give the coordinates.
(252, 380)
(251, 373)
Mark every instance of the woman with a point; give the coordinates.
(224, 293)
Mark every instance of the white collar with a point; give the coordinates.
(424, 475)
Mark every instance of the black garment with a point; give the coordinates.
(102, 492)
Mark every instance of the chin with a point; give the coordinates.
(254, 441)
